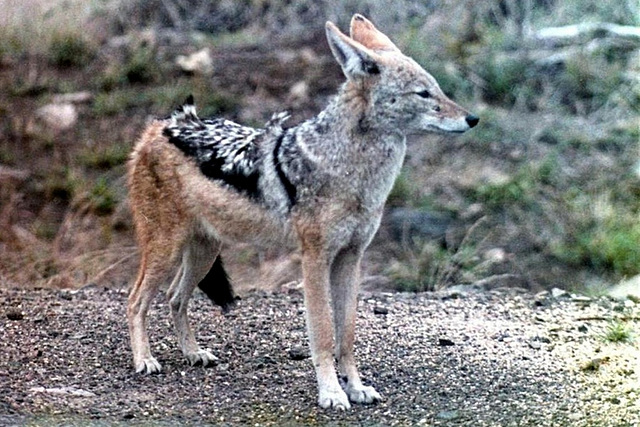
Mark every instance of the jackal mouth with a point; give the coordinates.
(440, 131)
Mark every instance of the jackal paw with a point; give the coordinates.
(148, 366)
(336, 399)
(201, 357)
(363, 394)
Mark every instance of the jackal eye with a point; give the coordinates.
(424, 94)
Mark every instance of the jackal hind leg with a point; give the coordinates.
(197, 258)
(315, 268)
(155, 269)
(345, 272)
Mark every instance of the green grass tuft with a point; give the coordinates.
(102, 198)
(611, 244)
(619, 332)
(105, 157)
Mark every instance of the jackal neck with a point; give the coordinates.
(349, 117)
(343, 148)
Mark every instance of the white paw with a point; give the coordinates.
(363, 394)
(201, 357)
(336, 399)
(148, 366)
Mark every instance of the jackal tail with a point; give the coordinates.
(217, 286)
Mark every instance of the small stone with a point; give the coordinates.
(298, 353)
(445, 342)
(70, 391)
(541, 295)
(537, 341)
(451, 295)
(34, 354)
(380, 310)
(503, 337)
(448, 415)
(593, 365)
(633, 298)
(15, 315)
(66, 295)
(535, 345)
(559, 293)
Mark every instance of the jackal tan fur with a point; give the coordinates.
(321, 186)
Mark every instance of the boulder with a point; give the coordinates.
(200, 62)
(57, 117)
(627, 288)
(410, 223)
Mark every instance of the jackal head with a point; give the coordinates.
(399, 94)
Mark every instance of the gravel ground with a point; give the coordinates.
(491, 358)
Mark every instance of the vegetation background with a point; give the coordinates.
(544, 192)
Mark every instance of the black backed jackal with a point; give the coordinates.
(321, 185)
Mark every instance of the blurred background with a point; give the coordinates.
(543, 193)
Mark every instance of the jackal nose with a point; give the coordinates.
(472, 120)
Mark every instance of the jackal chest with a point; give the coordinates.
(368, 179)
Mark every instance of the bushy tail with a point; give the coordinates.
(186, 116)
(217, 287)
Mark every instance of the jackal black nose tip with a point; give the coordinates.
(472, 120)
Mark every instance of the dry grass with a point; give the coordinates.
(31, 26)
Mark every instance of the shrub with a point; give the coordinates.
(427, 266)
(504, 78)
(61, 184)
(419, 268)
(605, 236)
(402, 191)
(140, 66)
(117, 101)
(102, 198)
(589, 81)
(69, 49)
(518, 190)
(10, 45)
(105, 157)
(616, 246)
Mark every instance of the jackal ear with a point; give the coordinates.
(356, 60)
(364, 32)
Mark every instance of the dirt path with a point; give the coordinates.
(498, 358)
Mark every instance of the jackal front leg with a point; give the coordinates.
(345, 276)
(315, 268)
